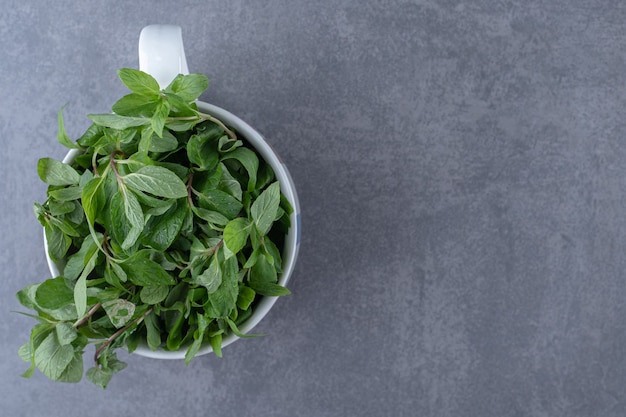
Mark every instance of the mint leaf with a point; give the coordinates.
(55, 172)
(211, 277)
(248, 160)
(265, 207)
(202, 152)
(140, 270)
(246, 297)
(93, 198)
(162, 230)
(62, 136)
(66, 194)
(154, 294)
(236, 234)
(263, 271)
(115, 121)
(216, 344)
(80, 287)
(210, 216)
(134, 214)
(77, 262)
(138, 81)
(198, 336)
(58, 242)
(165, 143)
(119, 311)
(188, 87)
(54, 293)
(66, 333)
(74, 371)
(268, 289)
(52, 358)
(160, 117)
(224, 299)
(136, 105)
(157, 181)
(153, 332)
(224, 203)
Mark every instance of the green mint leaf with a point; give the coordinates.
(236, 234)
(211, 277)
(198, 336)
(202, 152)
(162, 230)
(268, 289)
(119, 311)
(116, 222)
(93, 198)
(58, 242)
(216, 344)
(138, 81)
(115, 121)
(249, 161)
(154, 294)
(66, 333)
(183, 109)
(263, 271)
(272, 254)
(60, 208)
(228, 144)
(63, 224)
(188, 87)
(99, 377)
(55, 172)
(160, 117)
(76, 263)
(24, 352)
(37, 335)
(166, 143)
(140, 270)
(52, 358)
(134, 213)
(74, 371)
(80, 287)
(210, 216)
(264, 208)
(245, 297)
(153, 332)
(252, 259)
(62, 136)
(66, 194)
(54, 293)
(229, 184)
(238, 332)
(221, 202)
(136, 105)
(157, 181)
(224, 299)
(91, 136)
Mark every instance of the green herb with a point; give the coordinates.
(165, 221)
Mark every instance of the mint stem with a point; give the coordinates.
(89, 314)
(115, 335)
(208, 117)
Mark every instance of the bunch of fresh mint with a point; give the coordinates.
(169, 226)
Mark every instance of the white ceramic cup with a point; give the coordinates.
(161, 54)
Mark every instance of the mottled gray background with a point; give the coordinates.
(461, 167)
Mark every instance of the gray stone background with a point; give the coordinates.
(461, 167)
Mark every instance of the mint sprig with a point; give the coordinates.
(169, 226)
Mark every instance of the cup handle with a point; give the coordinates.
(161, 53)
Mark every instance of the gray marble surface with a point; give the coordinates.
(461, 167)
